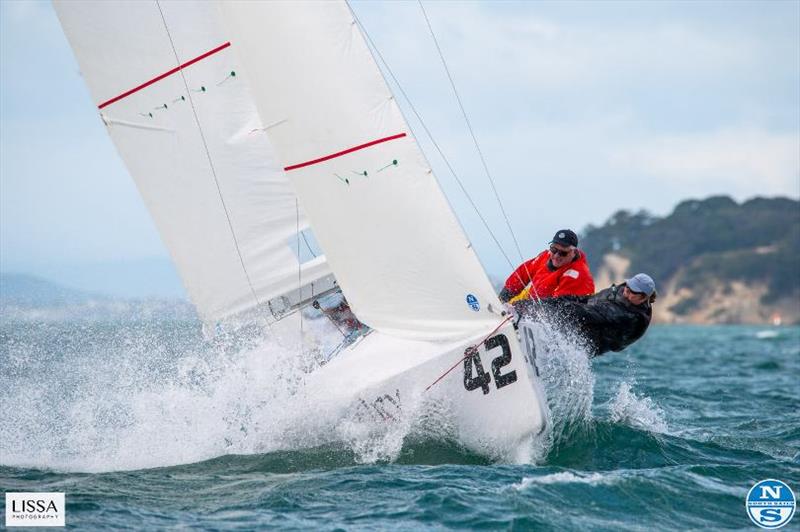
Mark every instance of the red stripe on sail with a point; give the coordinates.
(344, 152)
(164, 75)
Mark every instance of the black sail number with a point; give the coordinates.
(476, 377)
(472, 360)
(530, 345)
(503, 360)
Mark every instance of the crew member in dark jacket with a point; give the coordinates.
(610, 320)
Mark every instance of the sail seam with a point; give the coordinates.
(344, 152)
(210, 160)
(165, 74)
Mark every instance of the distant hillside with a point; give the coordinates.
(27, 298)
(30, 291)
(715, 261)
(129, 278)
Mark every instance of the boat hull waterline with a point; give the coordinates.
(492, 401)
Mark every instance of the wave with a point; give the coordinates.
(93, 399)
(100, 399)
(638, 412)
(566, 477)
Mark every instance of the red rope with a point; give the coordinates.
(469, 352)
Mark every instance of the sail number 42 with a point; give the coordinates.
(476, 377)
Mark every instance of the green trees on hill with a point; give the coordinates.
(715, 239)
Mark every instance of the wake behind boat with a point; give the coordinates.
(252, 127)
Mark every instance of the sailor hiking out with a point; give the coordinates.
(561, 270)
(610, 320)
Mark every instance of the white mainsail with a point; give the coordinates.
(234, 118)
(174, 99)
(398, 251)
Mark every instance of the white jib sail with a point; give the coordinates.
(175, 101)
(387, 230)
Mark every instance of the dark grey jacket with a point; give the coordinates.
(607, 320)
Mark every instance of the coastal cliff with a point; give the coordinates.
(713, 260)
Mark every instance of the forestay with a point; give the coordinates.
(388, 233)
(192, 139)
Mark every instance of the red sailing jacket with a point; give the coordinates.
(572, 279)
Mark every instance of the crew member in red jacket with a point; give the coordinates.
(560, 271)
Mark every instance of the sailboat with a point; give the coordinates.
(250, 126)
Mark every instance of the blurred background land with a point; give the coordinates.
(714, 261)
(30, 299)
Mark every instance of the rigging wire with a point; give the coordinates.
(442, 155)
(478, 149)
(430, 136)
(469, 127)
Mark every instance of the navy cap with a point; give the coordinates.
(641, 282)
(565, 237)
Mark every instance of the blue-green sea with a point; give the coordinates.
(146, 425)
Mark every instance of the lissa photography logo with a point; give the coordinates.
(770, 504)
(35, 509)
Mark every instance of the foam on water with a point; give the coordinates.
(566, 477)
(566, 373)
(131, 403)
(638, 412)
(101, 398)
(140, 396)
(376, 440)
(133, 399)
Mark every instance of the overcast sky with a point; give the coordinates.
(580, 108)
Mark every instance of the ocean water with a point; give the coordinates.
(147, 425)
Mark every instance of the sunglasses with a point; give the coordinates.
(555, 251)
(634, 292)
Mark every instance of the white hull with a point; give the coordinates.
(496, 411)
